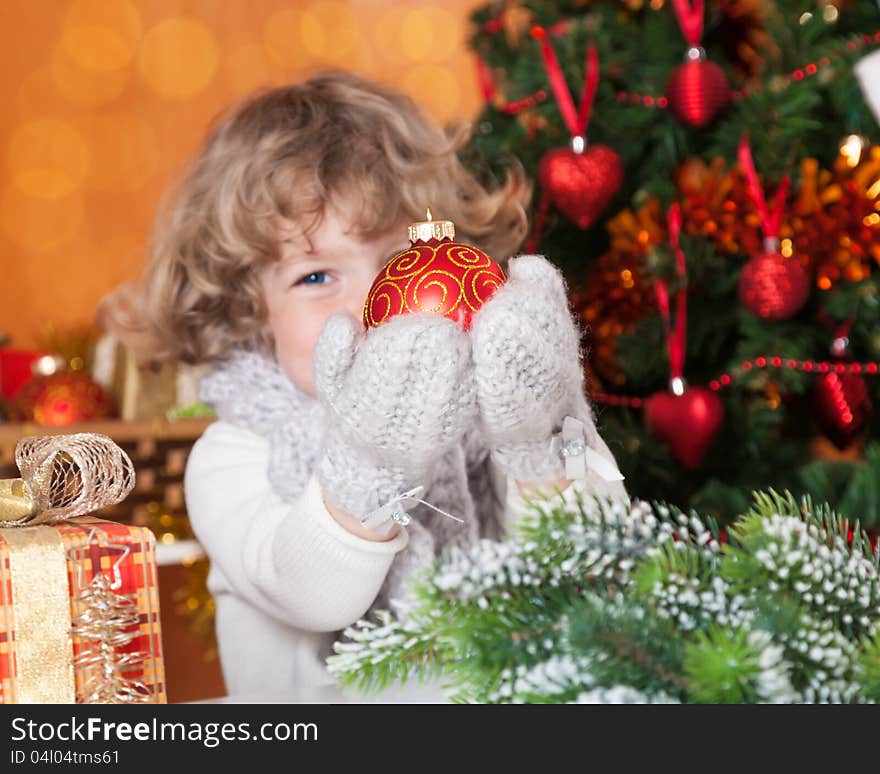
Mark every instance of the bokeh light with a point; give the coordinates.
(121, 17)
(40, 224)
(248, 67)
(429, 34)
(99, 49)
(178, 57)
(441, 82)
(386, 33)
(124, 150)
(328, 31)
(48, 158)
(282, 39)
(108, 99)
(85, 88)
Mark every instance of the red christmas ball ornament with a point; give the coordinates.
(434, 274)
(697, 90)
(581, 181)
(62, 398)
(774, 287)
(841, 402)
(686, 420)
(841, 406)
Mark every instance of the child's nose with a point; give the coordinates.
(359, 298)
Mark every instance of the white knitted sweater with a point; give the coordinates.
(286, 577)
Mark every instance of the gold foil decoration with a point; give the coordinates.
(63, 476)
(41, 606)
(105, 622)
(15, 499)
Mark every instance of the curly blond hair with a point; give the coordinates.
(286, 153)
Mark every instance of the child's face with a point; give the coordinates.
(317, 277)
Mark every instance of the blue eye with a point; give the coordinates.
(309, 279)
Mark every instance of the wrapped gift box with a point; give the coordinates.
(79, 601)
(101, 580)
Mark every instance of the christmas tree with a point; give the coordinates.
(718, 162)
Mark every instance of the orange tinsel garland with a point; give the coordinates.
(832, 227)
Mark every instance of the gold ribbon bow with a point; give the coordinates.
(62, 476)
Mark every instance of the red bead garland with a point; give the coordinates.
(795, 76)
(726, 379)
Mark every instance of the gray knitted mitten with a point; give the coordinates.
(529, 374)
(397, 398)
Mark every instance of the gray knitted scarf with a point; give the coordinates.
(253, 392)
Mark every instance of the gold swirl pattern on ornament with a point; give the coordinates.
(481, 284)
(410, 282)
(439, 278)
(468, 257)
(388, 294)
(409, 262)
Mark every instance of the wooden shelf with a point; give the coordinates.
(119, 430)
(158, 448)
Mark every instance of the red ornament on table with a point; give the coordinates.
(62, 398)
(770, 285)
(434, 274)
(16, 370)
(841, 401)
(685, 419)
(698, 89)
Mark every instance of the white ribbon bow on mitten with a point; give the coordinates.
(571, 443)
(395, 510)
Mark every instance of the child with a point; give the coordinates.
(261, 269)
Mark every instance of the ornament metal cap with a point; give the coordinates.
(428, 229)
(771, 244)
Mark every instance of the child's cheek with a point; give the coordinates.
(295, 338)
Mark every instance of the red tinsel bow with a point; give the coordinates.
(771, 219)
(576, 120)
(690, 18)
(675, 339)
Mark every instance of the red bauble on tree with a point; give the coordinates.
(435, 274)
(581, 184)
(842, 406)
(774, 287)
(697, 90)
(841, 402)
(687, 423)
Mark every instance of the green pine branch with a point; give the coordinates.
(597, 601)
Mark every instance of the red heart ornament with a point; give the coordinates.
(687, 423)
(581, 184)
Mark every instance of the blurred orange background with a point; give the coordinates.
(106, 100)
